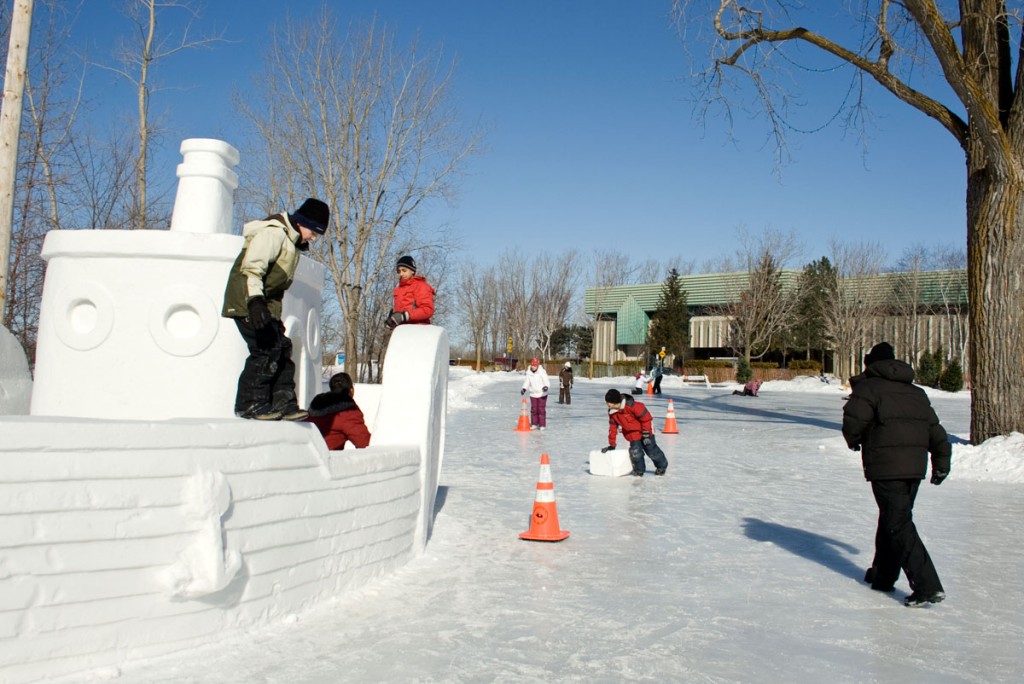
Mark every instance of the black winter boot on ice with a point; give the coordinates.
(918, 598)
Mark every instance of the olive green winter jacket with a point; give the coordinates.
(265, 266)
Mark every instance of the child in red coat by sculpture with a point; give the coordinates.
(337, 416)
(414, 297)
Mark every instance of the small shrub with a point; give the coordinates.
(698, 366)
(804, 365)
(929, 367)
(744, 374)
(952, 379)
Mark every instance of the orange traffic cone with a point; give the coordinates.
(670, 420)
(524, 419)
(544, 520)
(650, 388)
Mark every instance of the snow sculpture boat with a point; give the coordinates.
(140, 517)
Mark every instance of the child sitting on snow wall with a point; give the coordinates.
(413, 296)
(337, 416)
(750, 389)
(641, 384)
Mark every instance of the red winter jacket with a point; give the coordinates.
(339, 420)
(634, 419)
(415, 296)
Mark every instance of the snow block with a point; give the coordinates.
(614, 463)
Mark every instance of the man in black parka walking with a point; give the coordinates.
(891, 422)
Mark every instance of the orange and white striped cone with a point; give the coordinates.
(524, 418)
(544, 520)
(670, 420)
(650, 388)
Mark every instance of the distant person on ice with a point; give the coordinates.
(656, 375)
(891, 422)
(633, 418)
(641, 384)
(565, 384)
(750, 389)
(414, 297)
(337, 416)
(536, 383)
(255, 289)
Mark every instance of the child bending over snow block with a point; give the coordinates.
(633, 418)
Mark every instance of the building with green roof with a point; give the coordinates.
(936, 315)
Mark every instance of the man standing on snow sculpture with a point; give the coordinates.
(892, 423)
(253, 297)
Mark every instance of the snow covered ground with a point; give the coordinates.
(743, 564)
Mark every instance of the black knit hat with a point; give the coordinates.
(313, 214)
(408, 262)
(882, 351)
(612, 396)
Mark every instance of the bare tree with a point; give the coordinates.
(51, 101)
(554, 280)
(610, 269)
(369, 130)
(975, 43)
(516, 301)
(763, 310)
(138, 55)
(478, 295)
(851, 303)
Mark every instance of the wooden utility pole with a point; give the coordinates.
(10, 129)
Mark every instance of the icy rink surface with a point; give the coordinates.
(743, 564)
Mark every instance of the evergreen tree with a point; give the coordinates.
(928, 369)
(814, 290)
(744, 373)
(952, 379)
(670, 327)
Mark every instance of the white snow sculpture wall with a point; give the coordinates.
(131, 319)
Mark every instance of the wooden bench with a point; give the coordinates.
(696, 378)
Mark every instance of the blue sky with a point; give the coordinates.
(593, 142)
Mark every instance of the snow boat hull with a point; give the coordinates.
(124, 539)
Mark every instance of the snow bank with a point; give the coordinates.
(15, 379)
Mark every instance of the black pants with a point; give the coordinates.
(637, 450)
(564, 395)
(267, 381)
(657, 385)
(897, 545)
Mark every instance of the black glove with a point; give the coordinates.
(396, 319)
(938, 476)
(522, 391)
(544, 388)
(259, 314)
(855, 447)
(646, 438)
(607, 449)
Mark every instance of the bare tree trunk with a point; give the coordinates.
(10, 127)
(995, 258)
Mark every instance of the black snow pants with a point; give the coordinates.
(267, 381)
(637, 451)
(897, 545)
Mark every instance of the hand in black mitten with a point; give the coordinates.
(259, 314)
(938, 476)
(646, 438)
(396, 319)
(522, 391)
(544, 388)
(607, 449)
